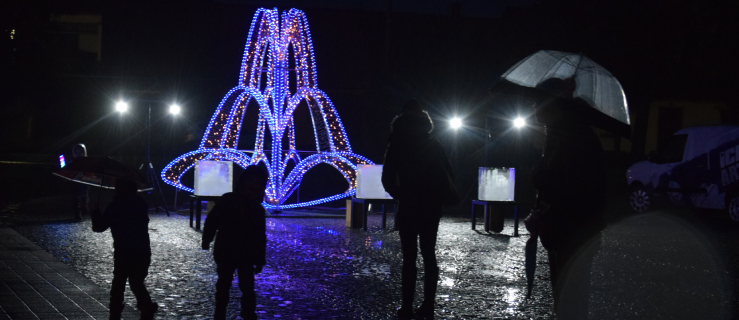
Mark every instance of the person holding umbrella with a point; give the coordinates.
(571, 93)
(419, 175)
(570, 182)
(128, 220)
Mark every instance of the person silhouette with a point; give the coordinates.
(81, 191)
(412, 159)
(570, 184)
(128, 220)
(237, 222)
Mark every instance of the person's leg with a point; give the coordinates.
(80, 201)
(427, 239)
(139, 271)
(554, 274)
(409, 248)
(248, 298)
(574, 284)
(223, 286)
(84, 200)
(118, 287)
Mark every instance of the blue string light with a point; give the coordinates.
(267, 54)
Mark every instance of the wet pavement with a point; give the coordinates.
(650, 266)
(669, 264)
(317, 269)
(35, 285)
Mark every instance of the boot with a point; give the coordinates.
(426, 310)
(220, 314)
(430, 282)
(405, 312)
(116, 311)
(147, 313)
(249, 316)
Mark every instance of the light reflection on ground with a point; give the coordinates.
(317, 269)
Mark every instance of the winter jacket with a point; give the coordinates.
(128, 220)
(570, 181)
(414, 168)
(238, 226)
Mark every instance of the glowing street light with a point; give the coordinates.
(455, 123)
(174, 109)
(519, 122)
(121, 106)
(151, 177)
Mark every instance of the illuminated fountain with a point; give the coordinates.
(267, 54)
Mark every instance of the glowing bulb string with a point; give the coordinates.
(267, 54)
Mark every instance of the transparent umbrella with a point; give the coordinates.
(573, 77)
(101, 172)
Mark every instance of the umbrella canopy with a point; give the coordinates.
(101, 172)
(572, 77)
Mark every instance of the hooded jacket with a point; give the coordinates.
(128, 220)
(413, 168)
(238, 226)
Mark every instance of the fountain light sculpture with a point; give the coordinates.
(267, 54)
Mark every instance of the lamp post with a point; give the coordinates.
(455, 123)
(518, 122)
(151, 176)
(174, 109)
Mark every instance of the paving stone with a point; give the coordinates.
(50, 316)
(317, 269)
(27, 293)
(20, 314)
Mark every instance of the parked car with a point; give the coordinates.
(698, 167)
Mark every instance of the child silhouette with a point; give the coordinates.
(237, 222)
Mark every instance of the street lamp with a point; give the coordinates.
(519, 122)
(174, 109)
(151, 176)
(455, 123)
(121, 106)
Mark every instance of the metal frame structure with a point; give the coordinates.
(267, 77)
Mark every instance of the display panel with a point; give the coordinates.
(369, 182)
(496, 184)
(213, 178)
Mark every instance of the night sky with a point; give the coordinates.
(371, 56)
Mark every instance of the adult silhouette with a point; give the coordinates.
(413, 164)
(570, 182)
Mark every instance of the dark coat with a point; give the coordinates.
(413, 169)
(238, 226)
(128, 220)
(570, 181)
